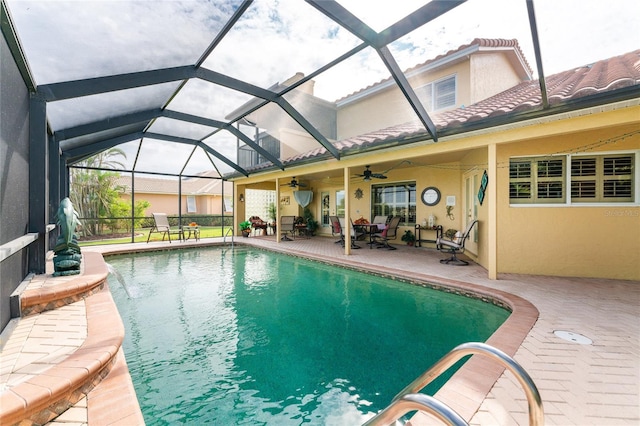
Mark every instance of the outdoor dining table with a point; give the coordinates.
(371, 229)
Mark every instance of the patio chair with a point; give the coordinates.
(287, 226)
(455, 246)
(336, 229)
(359, 233)
(389, 233)
(257, 223)
(161, 224)
(341, 221)
(380, 220)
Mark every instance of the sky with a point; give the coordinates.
(67, 40)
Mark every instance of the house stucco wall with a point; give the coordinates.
(159, 203)
(600, 241)
(389, 107)
(293, 142)
(385, 108)
(491, 73)
(168, 203)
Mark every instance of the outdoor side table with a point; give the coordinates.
(188, 231)
(420, 229)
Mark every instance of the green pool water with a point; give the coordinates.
(250, 337)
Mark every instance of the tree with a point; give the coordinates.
(121, 212)
(93, 191)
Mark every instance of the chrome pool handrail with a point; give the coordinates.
(534, 401)
(421, 402)
(224, 239)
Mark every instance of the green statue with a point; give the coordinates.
(67, 258)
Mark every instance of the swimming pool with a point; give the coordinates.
(245, 336)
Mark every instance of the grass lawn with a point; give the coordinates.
(142, 234)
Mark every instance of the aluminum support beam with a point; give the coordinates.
(201, 145)
(107, 124)
(112, 83)
(224, 126)
(407, 91)
(538, 53)
(54, 181)
(293, 113)
(423, 15)
(38, 183)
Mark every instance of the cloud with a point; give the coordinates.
(273, 40)
(269, 45)
(69, 40)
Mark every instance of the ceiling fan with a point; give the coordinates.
(368, 174)
(294, 183)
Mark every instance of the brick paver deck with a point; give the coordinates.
(580, 384)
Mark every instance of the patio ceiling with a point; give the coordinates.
(175, 84)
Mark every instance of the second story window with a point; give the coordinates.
(439, 94)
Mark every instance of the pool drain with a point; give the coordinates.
(573, 337)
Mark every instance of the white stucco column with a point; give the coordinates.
(347, 217)
(492, 192)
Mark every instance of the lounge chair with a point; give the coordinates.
(455, 246)
(389, 233)
(161, 224)
(287, 226)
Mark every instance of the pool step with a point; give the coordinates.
(44, 292)
(96, 370)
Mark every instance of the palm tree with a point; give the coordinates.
(93, 190)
